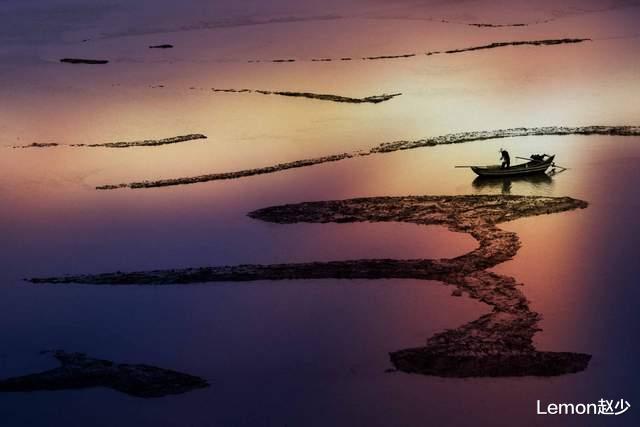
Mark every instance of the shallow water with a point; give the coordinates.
(307, 352)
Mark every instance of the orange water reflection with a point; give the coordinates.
(321, 346)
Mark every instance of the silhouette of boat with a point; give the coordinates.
(531, 167)
(535, 180)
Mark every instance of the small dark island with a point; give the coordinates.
(84, 61)
(78, 371)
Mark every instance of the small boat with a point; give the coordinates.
(530, 168)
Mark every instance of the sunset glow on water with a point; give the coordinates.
(308, 352)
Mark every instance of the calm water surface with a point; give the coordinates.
(307, 352)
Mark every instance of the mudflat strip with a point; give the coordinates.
(495, 45)
(84, 61)
(467, 23)
(486, 25)
(229, 175)
(388, 147)
(374, 99)
(497, 344)
(147, 142)
(38, 145)
(548, 42)
(78, 371)
(122, 144)
(461, 137)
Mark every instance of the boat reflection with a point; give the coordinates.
(531, 183)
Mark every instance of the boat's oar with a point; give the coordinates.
(464, 166)
(534, 160)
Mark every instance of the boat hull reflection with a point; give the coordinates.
(540, 181)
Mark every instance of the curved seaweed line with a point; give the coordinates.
(121, 144)
(373, 99)
(494, 45)
(467, 23)
(496, 344)
(388, 147)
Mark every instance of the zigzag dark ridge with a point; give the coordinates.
(497, 344)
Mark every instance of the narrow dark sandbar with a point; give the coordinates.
(497, 344)
(147, 142)
(123, 144)
(398, 56)
(84, 61)
(461, 137)
(495, 45)
(480, 25)
(38, 145)
(494, 25)
(374, 99)
(78, 371)
(549, 42)
(230, 175)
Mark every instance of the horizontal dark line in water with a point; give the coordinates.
(230, 175)
(461, 137)
(388, 147)
(467, 23)
(122, 144)
(39, 145)
(549, 42)
(398, 56)
(497, 344)
(494, 25)
(495, 45)
(84, 61)
(481, 25)
(147, 142)
(78, 371)
(374, 99)
(544, 42)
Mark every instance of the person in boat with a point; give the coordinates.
(506, 158)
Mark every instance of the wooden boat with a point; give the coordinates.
(529, 168)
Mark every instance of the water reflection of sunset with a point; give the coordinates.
(287, 350)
